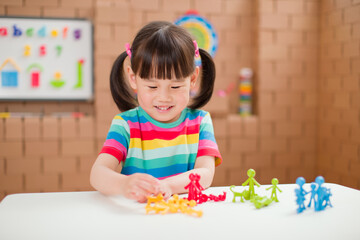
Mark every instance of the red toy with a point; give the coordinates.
(195, 191)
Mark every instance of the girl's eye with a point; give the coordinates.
(152, 87)
(175, 87)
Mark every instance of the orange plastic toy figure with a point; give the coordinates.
(173, 205)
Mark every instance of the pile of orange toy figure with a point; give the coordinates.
(173, 205)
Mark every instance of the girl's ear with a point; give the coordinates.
(131, 77)
(194, 78)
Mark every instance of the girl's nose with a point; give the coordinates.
(164, 95)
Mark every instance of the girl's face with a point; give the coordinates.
(162, 99)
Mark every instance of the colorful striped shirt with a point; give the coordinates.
(144, 145)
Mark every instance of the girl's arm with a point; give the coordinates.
(204, 166)
(105, 179)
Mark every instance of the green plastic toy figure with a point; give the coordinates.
(260, 202)
(274, 186)
(251, 181)
(242, 195)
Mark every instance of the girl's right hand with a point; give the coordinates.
(139, 185)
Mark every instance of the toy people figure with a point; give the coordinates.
(194, 187)
(198, 187)
(327, 197)
(301, 181)
(321, 193)
(251, 181)
(313, 193)
(300, 194)
(191, 187)
(300, 199)
(274, 186)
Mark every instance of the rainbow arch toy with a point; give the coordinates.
(201, 29)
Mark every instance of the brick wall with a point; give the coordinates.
(47, 153)
(339, 93)
(307, 113)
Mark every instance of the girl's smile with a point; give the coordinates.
(163, 108)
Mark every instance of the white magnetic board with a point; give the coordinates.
(46, 59)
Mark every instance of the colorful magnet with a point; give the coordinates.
(27, 50)
(3, 31)
(35, 79)
(58, 50)
(65, 30)
(30, 32)
(54, 33)
(57, 82)
(35, 69)
(17, 31)
(77, 34)
(42, 32)
(80, 64)
(9, 77)
(42, 50)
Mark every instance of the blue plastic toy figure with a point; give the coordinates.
(300, 194)
(313, 194)
(323, 195)
(327, 197)
(300, 200)
(301, 181)
(320, 192)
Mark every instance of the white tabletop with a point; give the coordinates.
(90, 215)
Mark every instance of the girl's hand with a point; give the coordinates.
(139, 185)
(165, 190)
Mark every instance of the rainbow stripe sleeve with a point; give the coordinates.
(143, 145)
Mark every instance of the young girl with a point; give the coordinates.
(158, 139)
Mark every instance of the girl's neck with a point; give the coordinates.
(163, 124)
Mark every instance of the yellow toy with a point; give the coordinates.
(173, 205)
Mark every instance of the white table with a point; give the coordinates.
(90, 215)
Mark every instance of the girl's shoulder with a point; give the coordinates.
(131, 115)
(194, 113)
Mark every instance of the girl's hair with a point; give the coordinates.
(161, 50)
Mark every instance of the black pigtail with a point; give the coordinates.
(119, 87)
(207, 80)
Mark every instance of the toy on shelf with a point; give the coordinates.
(173, 205)
(251, 181)
(245, 92)
(274, 187)
(195, 191)
(319, 194)
(258, 201)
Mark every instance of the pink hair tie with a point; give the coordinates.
(197, 53)
(128, 49)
